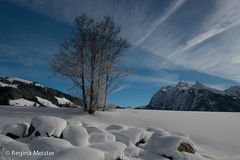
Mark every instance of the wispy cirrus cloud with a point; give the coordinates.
(215, 50)
(175, 5)
(213, 26)
(120, 88)
(131, 15)
(163, 78)
(207, 43)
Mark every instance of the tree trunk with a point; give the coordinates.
(105, 94)
(91, 94)
(83, 89)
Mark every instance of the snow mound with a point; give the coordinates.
(111, 150)
(93, 129)
(72, 122)
(81, 141)
(76, 134)
(23, 102)
(46, 102)
(14, 148)
(98, 134)
(8, 85)
(47, 126)
(159, 131)
(4, 139)
(130, 136)
(101, 137)
(49, 144)
(170, 146)
(116, 127)
(133, 152)
(80, 153)
(16, 130)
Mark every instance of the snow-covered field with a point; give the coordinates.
(107, 135)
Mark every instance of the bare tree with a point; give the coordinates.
(91, 59)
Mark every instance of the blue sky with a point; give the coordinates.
(171, 40)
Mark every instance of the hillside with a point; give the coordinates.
(20, 92)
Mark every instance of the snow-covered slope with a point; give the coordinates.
(23, 102)
(12, 79)
(233, 91)
(20, 92)
(108, 135)
(7, 85)
(197, 97)
(63, 101)
(45, 102)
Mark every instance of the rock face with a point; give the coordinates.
(197, 97)
(15, 91)
(185, 147)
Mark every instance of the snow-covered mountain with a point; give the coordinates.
(196, 97)
(234, 91)
(20, 92)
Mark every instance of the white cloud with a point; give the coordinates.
(154, 25)
(213, 48)
(219, 28)
(122, 87)
(129, 14)
(163, 78)
(217, 57)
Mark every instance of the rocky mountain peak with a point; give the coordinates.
(198, 84)
(196, 97)
(183, 85)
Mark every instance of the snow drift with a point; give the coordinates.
(53, 138)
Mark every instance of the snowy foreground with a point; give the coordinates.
(69, 134)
